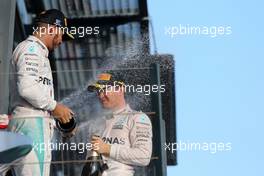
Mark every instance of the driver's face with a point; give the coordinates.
(57, 40)
(110, 97)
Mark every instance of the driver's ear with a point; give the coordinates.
(53, 31)
(50, 30)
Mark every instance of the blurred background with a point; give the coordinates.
(219, 83)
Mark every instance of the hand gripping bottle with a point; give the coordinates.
(67, 129)
(95, 165)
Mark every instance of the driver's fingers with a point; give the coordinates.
(62, 120)
(95, 137)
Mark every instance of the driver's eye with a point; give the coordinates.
(108, 89)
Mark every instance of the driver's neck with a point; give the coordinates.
(121, 106)
(42, 39)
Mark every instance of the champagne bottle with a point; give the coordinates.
(95, 166)
(67, 129)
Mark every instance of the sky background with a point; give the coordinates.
(219, 83)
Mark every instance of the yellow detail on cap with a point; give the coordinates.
(99, 86)
(104, 77)
(69, 34)
(65, 21)
(121, 83)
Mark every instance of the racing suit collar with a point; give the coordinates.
(118, 112)
(40, 43)
(126, 108)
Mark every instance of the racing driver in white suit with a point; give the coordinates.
(126, 141)
(32, 94)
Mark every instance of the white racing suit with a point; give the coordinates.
(32, 98)
(130, 135)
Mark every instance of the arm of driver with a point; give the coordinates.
(28, 82)
(140, 151)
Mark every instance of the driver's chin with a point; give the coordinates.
(106, 105)
(51, 49)
(54, 46)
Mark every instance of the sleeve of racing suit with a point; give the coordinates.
(28, 68)
(139, 153)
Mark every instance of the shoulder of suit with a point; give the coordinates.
(32, 47)
(28, 47)
(139, 117)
